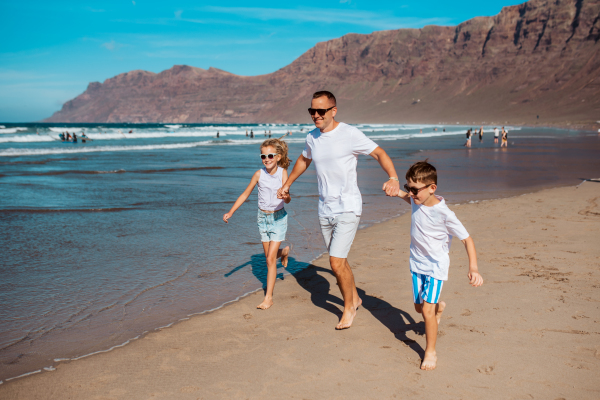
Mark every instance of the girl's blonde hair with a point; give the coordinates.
(281, 148)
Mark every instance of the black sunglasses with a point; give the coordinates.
(321, 111)
(415, 191)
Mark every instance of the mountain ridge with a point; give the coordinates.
(539, 58)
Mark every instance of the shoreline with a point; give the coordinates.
(58, 362)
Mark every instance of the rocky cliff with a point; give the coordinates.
(538, 58)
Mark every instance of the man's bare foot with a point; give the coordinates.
(346, 321)
(358, 303)
(267, 303)
(429, 361)
(438, 315)
(284, 256)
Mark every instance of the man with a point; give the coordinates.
(334, 147)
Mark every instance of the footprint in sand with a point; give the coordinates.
(489, 370)
(466, 313)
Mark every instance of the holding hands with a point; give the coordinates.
(391, 187)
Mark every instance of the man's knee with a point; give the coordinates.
(419, 308)
(337, 264)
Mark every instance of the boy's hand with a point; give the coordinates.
(475, 279)
(226, 217)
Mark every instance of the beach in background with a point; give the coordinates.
(107, 240)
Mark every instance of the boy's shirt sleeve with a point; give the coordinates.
(454, 226)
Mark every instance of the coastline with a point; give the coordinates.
(290, 288)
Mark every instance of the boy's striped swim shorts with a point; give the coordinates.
(426, 288)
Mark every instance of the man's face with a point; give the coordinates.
(322, 122)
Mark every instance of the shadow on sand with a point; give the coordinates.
(396, 320)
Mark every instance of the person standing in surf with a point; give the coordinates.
(334, 147)
(272, 217)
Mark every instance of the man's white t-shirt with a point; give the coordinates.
(335, 155)
(431, 234)
(496, 132)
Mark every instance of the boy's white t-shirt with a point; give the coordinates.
(431, 234)
(335, 155)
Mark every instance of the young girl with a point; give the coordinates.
(272, 217)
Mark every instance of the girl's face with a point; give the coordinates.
(270, 163)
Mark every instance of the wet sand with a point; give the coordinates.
(531, 331)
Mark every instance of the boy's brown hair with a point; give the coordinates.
(422, 172)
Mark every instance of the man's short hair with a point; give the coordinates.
(325, 93)
(422, 172)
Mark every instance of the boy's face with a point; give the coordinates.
(425, 191)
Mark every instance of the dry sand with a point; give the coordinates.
(530, 332)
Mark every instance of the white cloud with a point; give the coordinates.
(133, 2)
(178, 14)
(112, 45)
(350, 17)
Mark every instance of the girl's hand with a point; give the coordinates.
(475, 279)
(226, 217)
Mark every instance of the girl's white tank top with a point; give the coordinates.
(268, 185)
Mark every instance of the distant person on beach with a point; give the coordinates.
(334, 147)
(251, 134)
(481, 134)
(504, 138)
(432, 228)
(496, 134)
(246, 132)
(217, 134)
(272, 217)
(468, 142)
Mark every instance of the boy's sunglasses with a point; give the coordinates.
(321, 111)
(415, 191)
(271, 156)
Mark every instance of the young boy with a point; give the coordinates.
(431, 231)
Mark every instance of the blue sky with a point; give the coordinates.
(51, 50)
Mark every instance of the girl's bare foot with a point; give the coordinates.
(267, 303)
(346, 321)
(438, 315)
(429, 361)
(284, 256)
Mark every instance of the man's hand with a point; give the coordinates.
(226, 217)
(475, 279)
(283, 192)
(391, 188)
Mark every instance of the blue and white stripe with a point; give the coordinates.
(426, 288)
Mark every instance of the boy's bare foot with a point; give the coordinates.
(284, 256)
(346, 321)
(267, 303)
(429, 361)
(438, 315)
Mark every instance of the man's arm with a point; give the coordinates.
(474, 278)
(392, 186)
(300, 166)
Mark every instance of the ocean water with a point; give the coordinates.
(106, 240)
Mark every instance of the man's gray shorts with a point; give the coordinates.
(339, 232)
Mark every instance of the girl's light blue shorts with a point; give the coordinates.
(426, 288)
(272, 226)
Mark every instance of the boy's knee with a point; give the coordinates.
(429, 310)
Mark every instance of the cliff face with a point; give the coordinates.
(537, 58)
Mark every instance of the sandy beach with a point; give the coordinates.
(530, 332)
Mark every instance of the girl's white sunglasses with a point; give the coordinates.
(270, 155)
